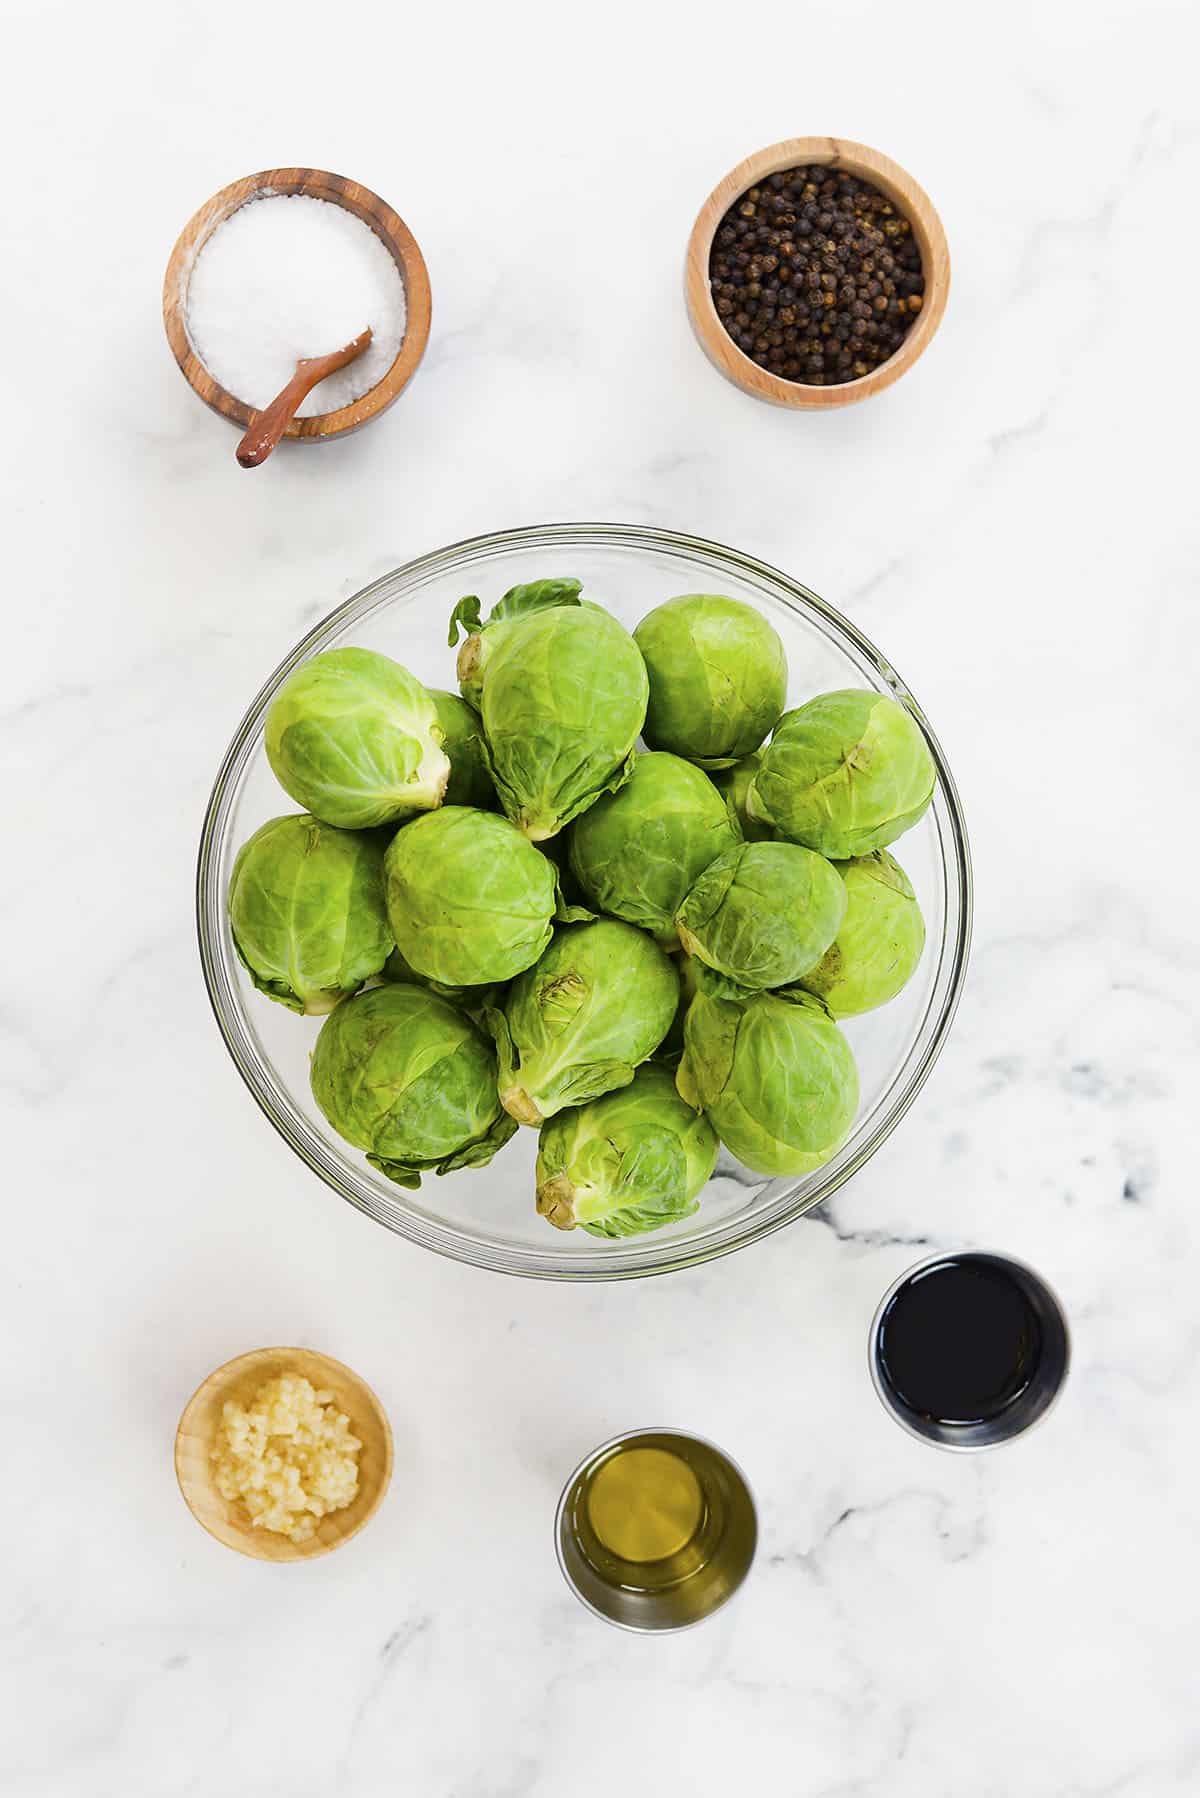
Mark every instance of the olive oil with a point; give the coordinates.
(644, 1505)
(656, 1530)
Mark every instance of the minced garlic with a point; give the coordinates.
(289, 1456)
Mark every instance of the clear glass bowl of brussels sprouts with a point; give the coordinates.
(326, 915)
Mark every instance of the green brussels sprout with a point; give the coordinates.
(485, 636)
(462, 738)
(575, 1025)
(636, 853)
(718, 677)
(774, 1075)
(405, 1076)
(469, 899)
(306, 912)
(733, 784)
(763, 914)
(629, 1162)
(474, 1000)
(355, 739)
(845, 774)
(562, 694)
(879, 942)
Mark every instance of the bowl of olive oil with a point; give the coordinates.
(656, 1530)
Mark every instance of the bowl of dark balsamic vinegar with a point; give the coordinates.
(969, 1350)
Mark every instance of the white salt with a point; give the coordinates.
(291, 276)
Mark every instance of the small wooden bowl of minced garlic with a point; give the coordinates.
(283, 1454)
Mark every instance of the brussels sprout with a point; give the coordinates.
(629, 1162)
(402, 1074)
(474, 1000)
(470, 783)
(718, 677)
(763, 914)
(577, 1024)
(469, 899)
(733, 784)
(354, 738)
(483, 637)
(879, 942)
(563, 696)
(637, 852)
(845, 774)
(775, 1076)
(306, 912)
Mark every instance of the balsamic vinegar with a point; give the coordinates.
(960, 1341)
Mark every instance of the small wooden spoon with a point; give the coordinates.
(267, 427)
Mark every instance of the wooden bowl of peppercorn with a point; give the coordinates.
(817, 273)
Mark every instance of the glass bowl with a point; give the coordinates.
(487, 1217)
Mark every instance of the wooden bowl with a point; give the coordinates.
(387, 225)
(240, 1379)
(899, 186)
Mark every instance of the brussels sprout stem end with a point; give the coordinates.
(518, 1104)
(556, 1202)
(686, 938)
(468, 659)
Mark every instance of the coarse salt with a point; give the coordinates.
(289, 276)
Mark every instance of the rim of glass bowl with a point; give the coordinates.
(624, 1261)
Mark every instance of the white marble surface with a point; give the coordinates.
(1014, 524)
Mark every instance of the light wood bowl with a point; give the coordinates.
(240, 1379)
(856, 159)
(387, 225)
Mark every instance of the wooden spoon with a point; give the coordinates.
(267, 427)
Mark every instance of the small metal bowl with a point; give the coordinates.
(351, 196)
(655, 1598)
(1028, 1408)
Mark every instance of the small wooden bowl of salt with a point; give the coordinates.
(291, 264)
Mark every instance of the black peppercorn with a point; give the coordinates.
(815, 275)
